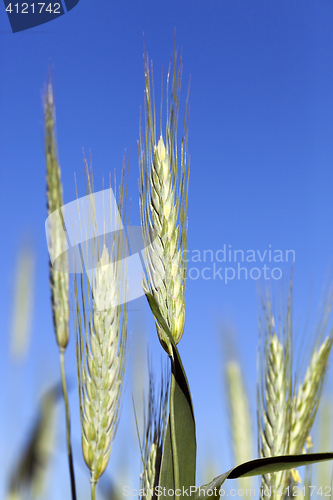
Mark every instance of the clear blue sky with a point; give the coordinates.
(261, 148)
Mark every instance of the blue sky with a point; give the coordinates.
(261, 155)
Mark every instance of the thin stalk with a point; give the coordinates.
(93, 490)
(68, 424)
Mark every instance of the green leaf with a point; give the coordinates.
(264, 466)
(167, 477)
(178, 466)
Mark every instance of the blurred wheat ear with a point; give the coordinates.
(101, 328)
(59, 280)
(163, 203)
(240, 418)
(286, 415)
(29, 475)
(23, 302)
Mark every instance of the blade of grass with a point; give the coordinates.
(262, 466)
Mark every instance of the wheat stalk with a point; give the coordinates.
(163, 204)
(59, 280)
(101, 332)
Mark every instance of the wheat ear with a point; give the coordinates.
(274, 397)
(101, 331)
(296, 416)
(163, 204)
(308, 396)
(59, 280)
(28, 479)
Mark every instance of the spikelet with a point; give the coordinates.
(101, 332)
(59, 280)
(163, 204)
(155, 426)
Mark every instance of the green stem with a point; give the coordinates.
(68, 424)
(93, 490)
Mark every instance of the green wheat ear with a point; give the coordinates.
(307, 397)
(286, 415)
(274, 412)
(57, 241)
(59, 281)
(101, 333)
(164, 175)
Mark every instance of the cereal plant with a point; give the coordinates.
(286, 406)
